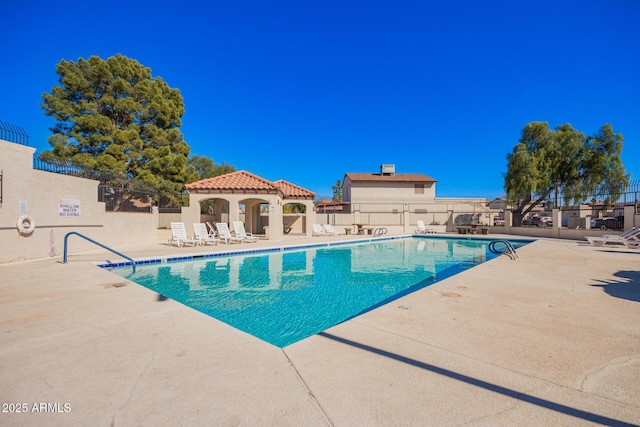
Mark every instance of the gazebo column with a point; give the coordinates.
(309, 217)
(217, 209)
(234, 210)
(256, 221)
(275, 218)
(248, 217)
(191, 214)
(252, 217)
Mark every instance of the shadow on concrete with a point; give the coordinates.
(622, 251)
(162, 297)
(628, 287)
(552, 406)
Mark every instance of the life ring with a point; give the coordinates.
(26, 225)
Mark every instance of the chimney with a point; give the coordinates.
(387, 169)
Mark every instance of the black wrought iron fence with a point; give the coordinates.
(66, 167)
(124, 199)
(13, 133)
(630, 196)
(602, 209)
(117, 193)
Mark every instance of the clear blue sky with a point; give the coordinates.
(308, 90)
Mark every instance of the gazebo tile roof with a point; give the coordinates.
(240, 180)
(243, 181)
(292, 190)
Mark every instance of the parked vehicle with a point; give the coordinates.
(608, 223)
(542, 221)
(547, 221)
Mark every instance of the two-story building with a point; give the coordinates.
(398, 200)
(388, 187)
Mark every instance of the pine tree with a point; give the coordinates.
(113, 115)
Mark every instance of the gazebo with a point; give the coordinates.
(243, 196)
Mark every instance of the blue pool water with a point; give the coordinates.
(283, 296)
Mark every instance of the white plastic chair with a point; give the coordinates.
(212, 229)
(240, 232)
(422, 229)
(179, 236)
(200, 230)
(318, 230)
(225, 233)
(329, 231)
(630, 239)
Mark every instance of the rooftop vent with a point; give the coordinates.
(387, 169)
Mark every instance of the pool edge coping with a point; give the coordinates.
(282, 248)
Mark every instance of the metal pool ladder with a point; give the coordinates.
(379, 231)
(64, 258)
(510, 250)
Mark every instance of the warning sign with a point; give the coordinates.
(68, 208)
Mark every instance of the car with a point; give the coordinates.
(542, 221)
(608, 223)
(498, 221)
(547, 221)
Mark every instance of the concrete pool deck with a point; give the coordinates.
(550, 339)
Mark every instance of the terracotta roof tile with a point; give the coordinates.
(292, 190)
(240, 180)
(243, 181)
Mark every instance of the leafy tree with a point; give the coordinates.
(294, 208)
(223, 168)
(206, 168)
(337, 191)
(113, 115)
(562, 161)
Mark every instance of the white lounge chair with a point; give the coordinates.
(329, 231)
(630, 238)
(422, 229)
(212, 229)
(225, 234)
(240, 232)
(318, 230)
(179, 236)
(613, 237)
(201, 233)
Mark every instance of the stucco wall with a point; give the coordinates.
(41, 194)
(367, 192)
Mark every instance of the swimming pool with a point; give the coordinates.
(284, 295)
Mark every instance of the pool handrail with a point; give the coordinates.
(380, 231)
(511, 250)
(66, 237)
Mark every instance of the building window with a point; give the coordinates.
(419, 188)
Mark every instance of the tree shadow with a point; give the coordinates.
(628, 287)
(553, 406)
